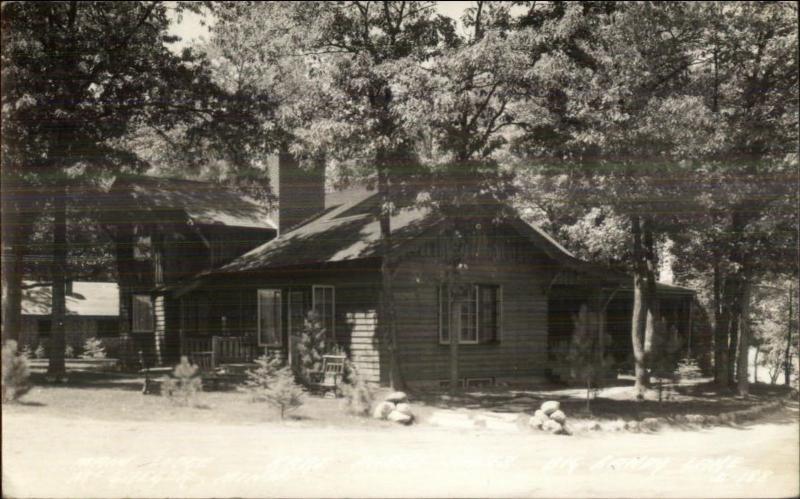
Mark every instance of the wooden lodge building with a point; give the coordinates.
(204, 271)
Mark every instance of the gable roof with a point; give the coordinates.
(87, 299)
(204, 203)
(348, 229)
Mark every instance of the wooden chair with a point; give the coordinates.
(328, 380)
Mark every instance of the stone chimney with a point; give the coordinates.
(300, 189)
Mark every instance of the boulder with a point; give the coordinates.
(382, 410)
(540, 414)
(552, 426)
(399, 417)
(396, 397)
(405, 408)
(550, 407)
(632, 426)
(712, 420)
(650, 424)
(537, 421)
(695, 419)
(618, 425)
(559, 417)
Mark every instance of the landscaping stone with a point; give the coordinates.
(695, 419)
(632, 426)
(650, 424)
(618, 425)
(552, 426)
(550, 407)
(537, 421)
(540, 414)
(399, 417)
(405, 408)
(559, 417)
(396, 397)
(382, 410)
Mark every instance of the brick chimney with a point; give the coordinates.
(300, 189)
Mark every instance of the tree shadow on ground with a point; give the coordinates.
(702, 399)
(91, 380)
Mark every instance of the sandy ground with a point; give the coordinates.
(47, 456)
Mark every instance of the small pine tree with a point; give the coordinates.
(260, 378)
(358, 395)
(283, 392)
(15, 372)
(310, 348)
(69, 352)
(40, 352)
(93, 349)
(588, 362)
(184, 383)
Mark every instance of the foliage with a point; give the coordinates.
(358, 394)
(283, 393)
(688, 369)
(259, 379)
(310, 348)
(69, 352)
(93, 349)
(184, 383)
(588, 362)
(15, 372)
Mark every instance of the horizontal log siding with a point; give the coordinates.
(522, 349)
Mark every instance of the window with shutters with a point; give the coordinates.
(324, 304)
(269, 317)
(142, 314)
(479, 315)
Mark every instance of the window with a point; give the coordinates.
(107, 328)
(324, 305)
(269, 317)
(44, 326)
(479, 317)
(142, 314)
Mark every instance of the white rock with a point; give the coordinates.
(405, 408)
(382, 410)
(559, 417)
(552, 426)
(540, 413)
(550, 407)
(537, 421)
(399, 417)
(396, 397)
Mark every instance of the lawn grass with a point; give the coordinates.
(115, 397)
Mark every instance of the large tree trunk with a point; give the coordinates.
(17, 226)
(744, 340)
(721, 319)
(56, 368)
(755, 364)
(639, 316)
(787, 356)
(454, 333)
(388, 311)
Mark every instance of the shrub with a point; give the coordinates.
(310, 348)
(69, 352)
(688, 369)
(358, 395)
(259, 379)
(93, 349)
(15, 372)
(184, 383)
(587, 359)
(40, 352)
(283, 393)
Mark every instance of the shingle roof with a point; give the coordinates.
(347, 230)
(204, 202)
(87, 299)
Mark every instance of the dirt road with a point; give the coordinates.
(45, 456)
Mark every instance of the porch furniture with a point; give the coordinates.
(328, 379)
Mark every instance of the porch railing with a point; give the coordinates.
(211, 352)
